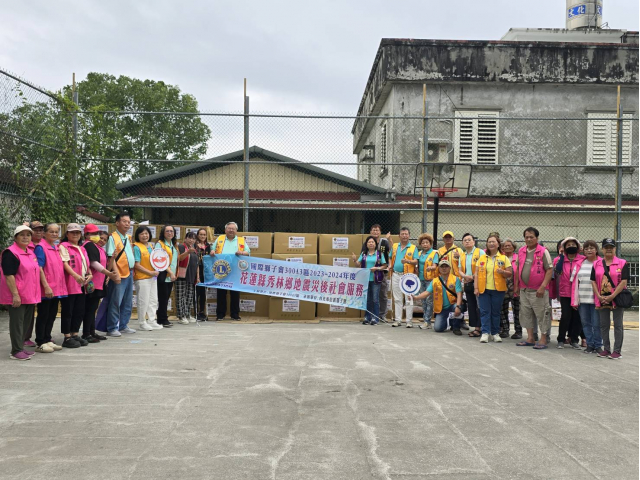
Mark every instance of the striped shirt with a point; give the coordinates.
(585, 291)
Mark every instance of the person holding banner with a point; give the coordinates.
(427, 271)
(372, 261)
(490, 285)
(202, 248)
(121, 259)
(447, 299)
(167, 242)
(404, 259)
(145, 278)
(229, 243)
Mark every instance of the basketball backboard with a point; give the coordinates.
(446, 179)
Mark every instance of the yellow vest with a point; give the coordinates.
(474, 260)
(145, 262)
(429, 263)
(438, 289)
(499, 280)
(449, 256)
(408, 268)
(123, 262)
(223, 238)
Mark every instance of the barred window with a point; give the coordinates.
(476, 137)
(602, 139)
(383, 145)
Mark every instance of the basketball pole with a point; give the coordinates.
(425, 157)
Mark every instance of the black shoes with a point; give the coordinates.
(70, 342)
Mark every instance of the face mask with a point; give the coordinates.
(95, 239)
(571, 250)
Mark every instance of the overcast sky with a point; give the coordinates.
(298, 56)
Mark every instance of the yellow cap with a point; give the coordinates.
(448, 232)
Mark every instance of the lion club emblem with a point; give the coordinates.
(221, 269)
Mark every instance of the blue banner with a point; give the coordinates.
(301, 281)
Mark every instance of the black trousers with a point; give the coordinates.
(164, 294)
(47, 312)
(570, 324)
(72, 313)
(472, 306)
(89, 320)
(201, 295)
(221, 309)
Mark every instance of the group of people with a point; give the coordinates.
(487, 283)
(92, 275)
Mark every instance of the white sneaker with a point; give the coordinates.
(44, 348)
(497, 339)
(145, 326)
(54, 346)
(396, 324)
(409, 325)
(183, 321)
(154, 325)
(484, 338)
(192, 319)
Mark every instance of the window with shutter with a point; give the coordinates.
(476, 137)
(602, 139)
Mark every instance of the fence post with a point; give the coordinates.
(618, 196)
(425, 157)
(245, 196)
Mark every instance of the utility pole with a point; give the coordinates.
(74, 96)
(245, 196)
(425, 156)
(618, 231)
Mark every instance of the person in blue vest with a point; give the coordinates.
(229, 243)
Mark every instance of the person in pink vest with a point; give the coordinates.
(77, 277)
(609, 277)
(20, 288)
(36, 237)
(95, 240)
(534, 271)
(54, 287)
(583, 299)
(566, 267)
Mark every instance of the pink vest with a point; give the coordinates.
(27, 278)
(536, 277)
(98, 277)
(564, 284)
(75, 262)
(615, 271)
(54, 269)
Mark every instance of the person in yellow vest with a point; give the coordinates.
(427, 271)
(447, 299)
(451, 252)
(121, 260)
(145, 278)
(490, 284)
(229, 243)
(404, 259)
(466, 270)
(166, 241)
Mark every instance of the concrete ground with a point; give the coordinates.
(316, 401)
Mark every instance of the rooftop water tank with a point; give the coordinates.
(583, 14)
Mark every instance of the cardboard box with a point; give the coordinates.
(258, 242)
(334, 311)
(296, 257)
(337, 260)
(261, 255)
(287, 309)
(295, 243)
(339, 244)
(252, 305)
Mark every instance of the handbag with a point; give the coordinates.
(183, 265)
(624, 299)
(463, 307)
(378, 275)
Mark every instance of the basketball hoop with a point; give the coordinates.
(442, 191)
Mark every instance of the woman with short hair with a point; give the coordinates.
(145, 278)
(583, 299)
(94, 245)
(565, 268)
(372, 260)
(427, 271)
(20, 288)
(188, 276)
(509, 248)
(609, 277)
(166, 241)
(54, 287)
(203, 248)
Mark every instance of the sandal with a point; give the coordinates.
(475, 333)
(525, 344)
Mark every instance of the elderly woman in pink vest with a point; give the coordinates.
(77, 276)
(54, 287)
(609, 277)
(20, 288)
(566, 267)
